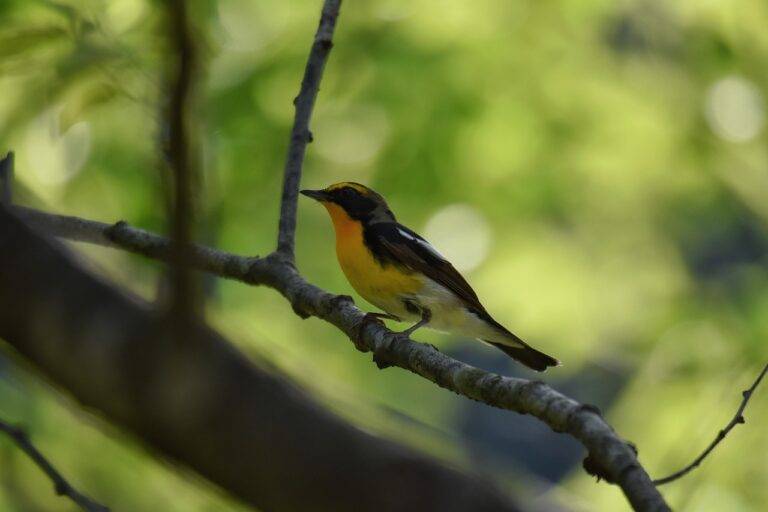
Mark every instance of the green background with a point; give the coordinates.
(599, 169)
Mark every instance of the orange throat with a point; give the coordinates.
(345, 226)
(381, 286)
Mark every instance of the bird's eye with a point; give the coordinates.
(346, 193)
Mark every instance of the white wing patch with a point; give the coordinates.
(421, 242)
(406, 234)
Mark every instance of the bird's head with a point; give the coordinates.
(354, 200)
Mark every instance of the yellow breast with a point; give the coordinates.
(380, 285)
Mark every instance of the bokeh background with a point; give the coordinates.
(598, 170)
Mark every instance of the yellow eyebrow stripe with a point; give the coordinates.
(356, 186)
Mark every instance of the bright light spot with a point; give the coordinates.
(275, 95)
(393, 10)
(461, 234)
(354, 138)
(249, 25)
(246, 30)
(123, 14)
(735, 109)
(54, 157)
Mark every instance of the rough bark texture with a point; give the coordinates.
(238, 424)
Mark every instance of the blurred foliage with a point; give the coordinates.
(614, 153)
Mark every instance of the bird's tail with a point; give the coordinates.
(516, 348)
(528, 356)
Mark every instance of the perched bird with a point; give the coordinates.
(399, 272)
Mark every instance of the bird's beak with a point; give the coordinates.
(317, 195)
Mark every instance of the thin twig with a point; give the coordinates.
(737, 419)
(60, 485)
(184, 298)
(6, 178)
(559, 412)
(300, 134)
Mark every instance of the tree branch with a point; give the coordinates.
(185, 297)
(562, 414)
(6, 178)
(60, 485)
(240, 425)
(559, 412)
(277, 270)
(300, 134)
(737, 419)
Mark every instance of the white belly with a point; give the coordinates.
(449, 314)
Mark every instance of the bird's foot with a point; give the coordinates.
(385, 316)
(426, 315)
(368, 319)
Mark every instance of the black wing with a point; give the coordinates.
(394, 244)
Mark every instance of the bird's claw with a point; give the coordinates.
(367, 319)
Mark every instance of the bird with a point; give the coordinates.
(399, 272)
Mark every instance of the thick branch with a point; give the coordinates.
(60, 484)
(300, 134)
(207, 406)
(737, 419)
(561, 413)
